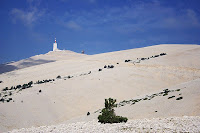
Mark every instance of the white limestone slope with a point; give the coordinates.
(66, 99)
(51, 56)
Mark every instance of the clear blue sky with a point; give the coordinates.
(28, 27)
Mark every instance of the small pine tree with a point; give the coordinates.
(108, 113)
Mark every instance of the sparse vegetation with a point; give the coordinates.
(110, 66)
(6, 92)
(142, 59)
(163, 54)
(18, 86)
(5, 89)
(8, 100)
(127, 60)
(10, 91)
(30, 83)
(179, 98)
(83, 74)
(149, 97)
(69, 77)
(2, 100)
(24, 86)
(145, 98)
(58, 77)
(108, 114)
(171, 97)
(44, 81)
(165, 94)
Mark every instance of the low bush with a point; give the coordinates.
(171, 97)
(110, 66)
(18, 86)
(30, 83)
(127, 60)
(179, 98)
(5, 89)
(58, 77)
(88, 113)
(45, 81)
(2, 100)
(24, 86)
(162, 54)
(165, 94)
(69, 77)
(108, 113)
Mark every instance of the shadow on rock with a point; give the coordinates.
(22, 64)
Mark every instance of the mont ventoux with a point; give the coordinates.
(157, 88)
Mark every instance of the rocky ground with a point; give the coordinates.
(171, 124)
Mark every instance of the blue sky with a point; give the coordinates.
(28, 27)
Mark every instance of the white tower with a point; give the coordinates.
(55, 46)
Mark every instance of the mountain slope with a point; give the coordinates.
(85, 83)
(51, 56)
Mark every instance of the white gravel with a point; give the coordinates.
(171, 124)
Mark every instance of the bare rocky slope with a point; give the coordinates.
(158, 125)
(51, 56)
(152, 82)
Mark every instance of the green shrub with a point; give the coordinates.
(108, 113)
